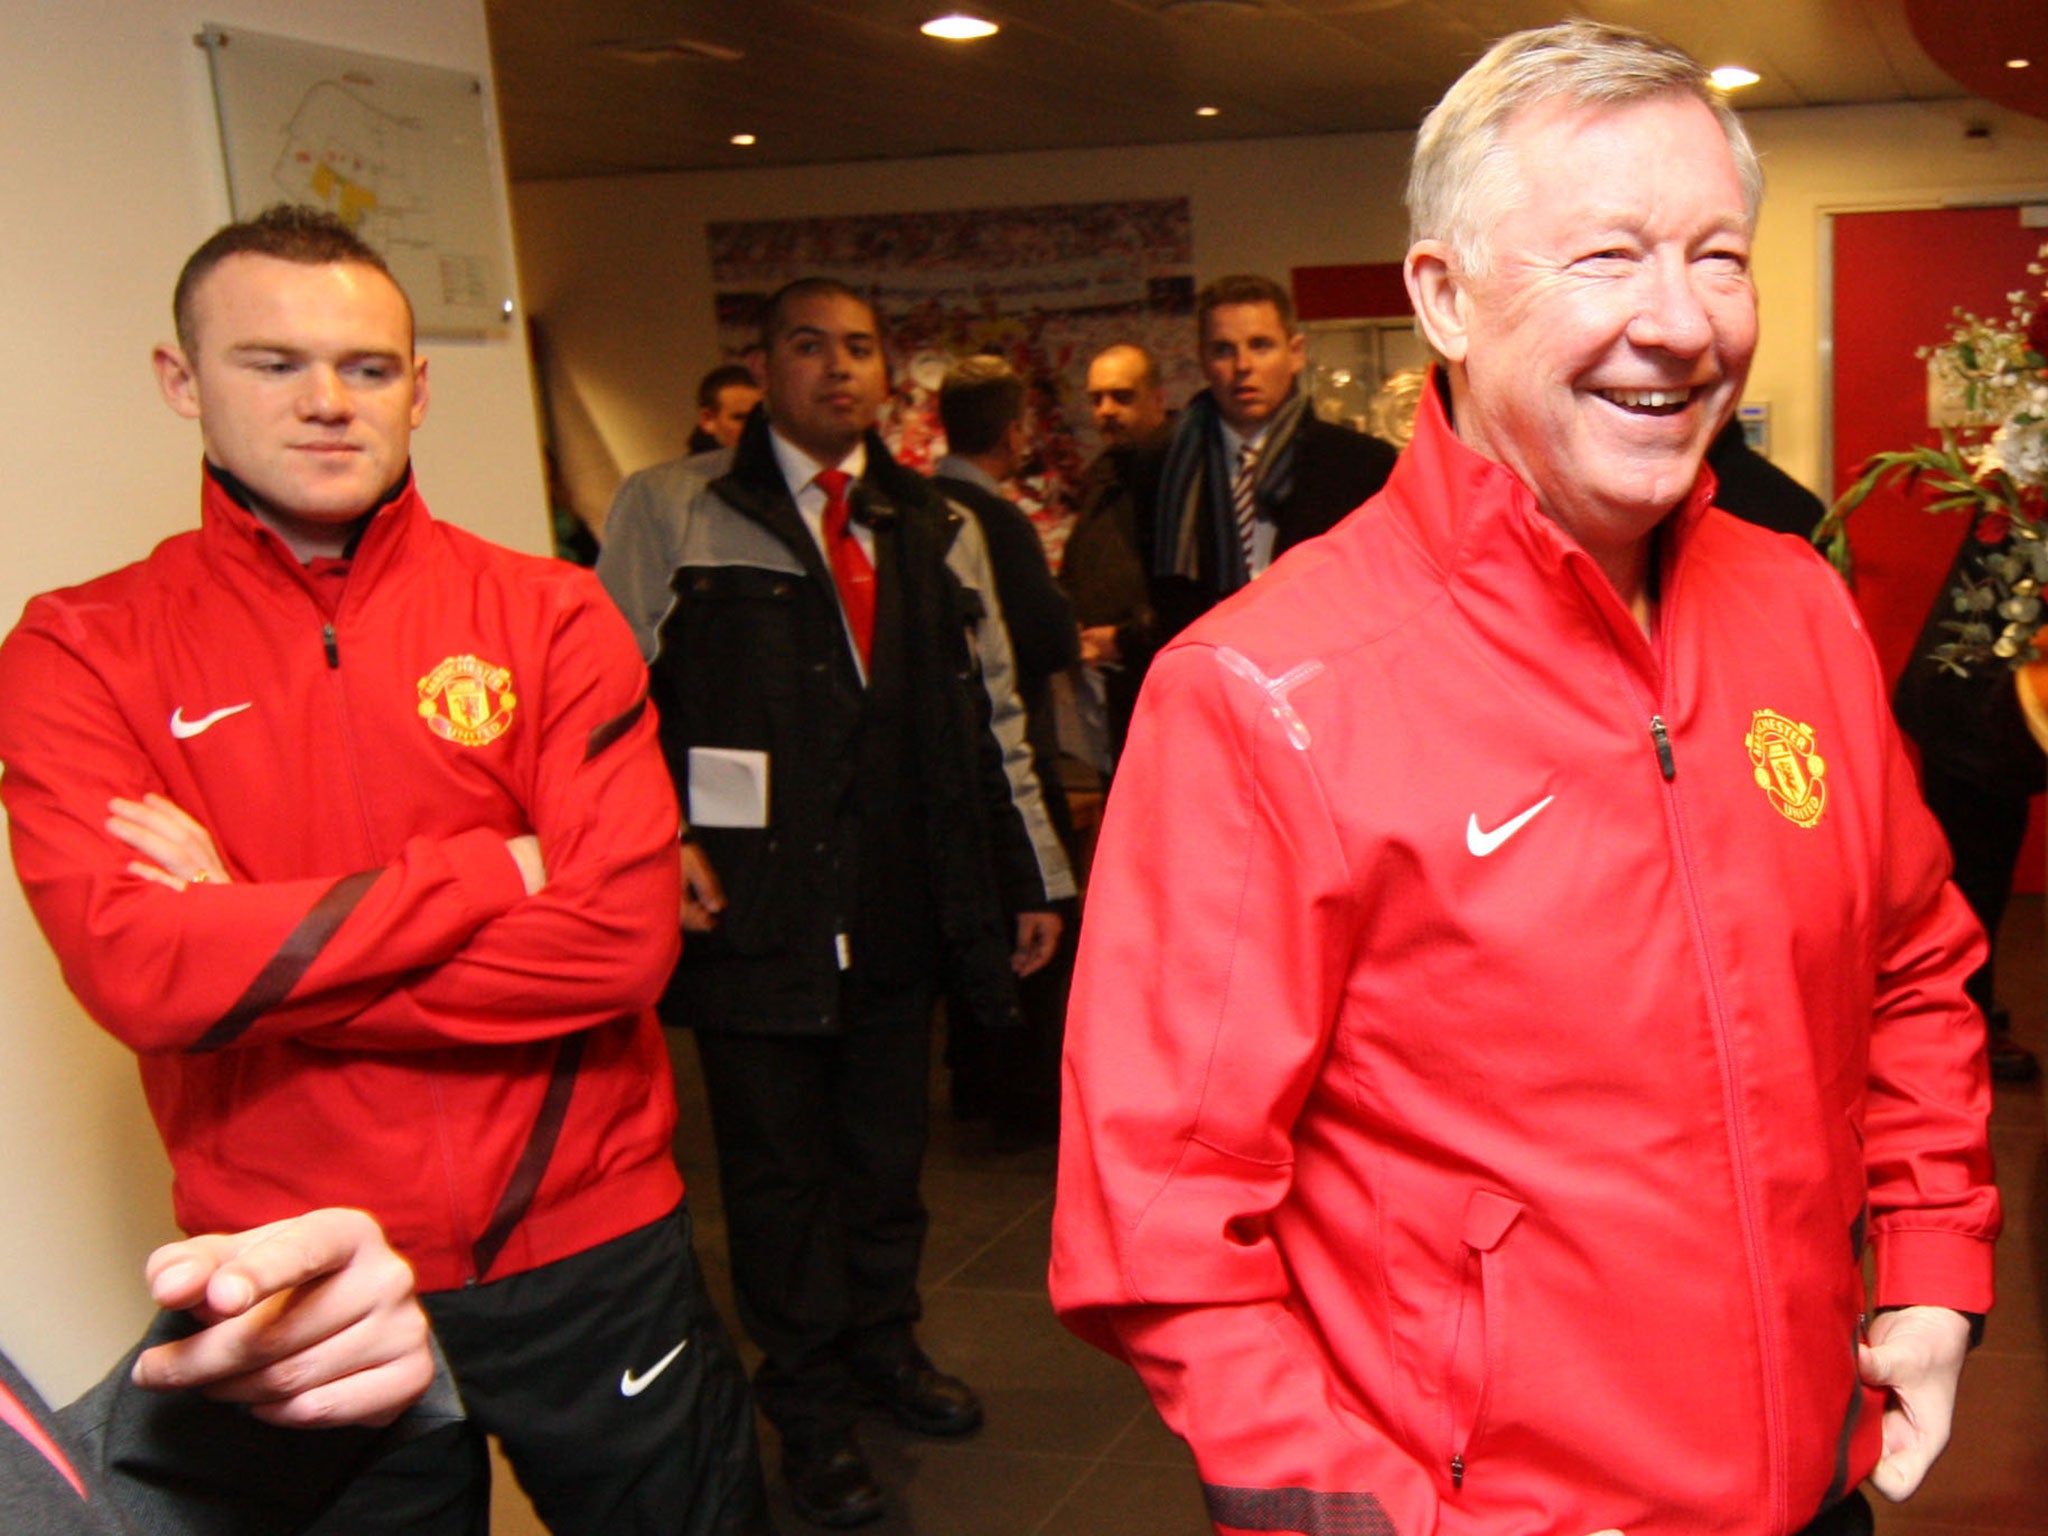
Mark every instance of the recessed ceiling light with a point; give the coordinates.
(2018, 63)
(959, 27)
(1733, 77)
(743, 139)
(1208, 111)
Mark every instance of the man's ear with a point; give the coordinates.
(177, 381)
(1442, 296)
(419, 391)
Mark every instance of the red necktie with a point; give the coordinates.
(852, 571)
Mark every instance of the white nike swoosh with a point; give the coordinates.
(632, 1386)
(185, 729)
(1483, 843)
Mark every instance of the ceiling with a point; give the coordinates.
(614, 87)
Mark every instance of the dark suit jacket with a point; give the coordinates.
(1335, 471)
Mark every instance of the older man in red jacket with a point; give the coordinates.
(1520, 976)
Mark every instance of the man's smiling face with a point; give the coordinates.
(1610, 336)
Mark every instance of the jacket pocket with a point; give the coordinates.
(1477, 1333)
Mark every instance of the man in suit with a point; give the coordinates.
(1013, 1074)
(856, 827)
(1105, 566)
(1251, 471)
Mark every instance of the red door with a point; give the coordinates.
(1899, 277)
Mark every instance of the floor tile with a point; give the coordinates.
(1132, 1501)
(1046, 1392)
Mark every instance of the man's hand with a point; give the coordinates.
(703, 896)
(1038, 935)
(1918, 1353)
(176, 850)
(1099, 647)
(311, 1322)
(533, 869)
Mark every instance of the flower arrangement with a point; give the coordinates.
(1988, 387)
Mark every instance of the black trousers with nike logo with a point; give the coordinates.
(612, 1430)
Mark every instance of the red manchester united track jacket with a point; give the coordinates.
(1498, 1032)
(373, 1012)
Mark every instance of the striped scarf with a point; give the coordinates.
(1195, 508)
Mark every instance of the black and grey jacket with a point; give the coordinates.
(889, 826)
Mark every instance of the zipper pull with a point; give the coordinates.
(1457, 1471)
(1662, 738)
(334, 650)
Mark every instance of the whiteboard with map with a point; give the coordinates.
(396, 150)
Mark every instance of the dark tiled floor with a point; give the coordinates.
(1072, 1446)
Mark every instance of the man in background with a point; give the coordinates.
(1013, 1074)
(856, 830)
(1520, 976)
(1252, 471)
(726, 396)
(1106, 566)
(355, 827)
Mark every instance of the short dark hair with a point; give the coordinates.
(294, 232)
(774, 306)
(719, 380)
(1243, 288)
(979, 400)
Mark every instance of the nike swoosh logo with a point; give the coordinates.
(185, 729)
(1483, 843)
(632, 1386)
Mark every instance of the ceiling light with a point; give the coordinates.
(1733, 77)
(2018, 63)
(959, 27)
(1208, 111)
(743, 139)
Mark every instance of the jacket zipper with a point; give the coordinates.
(330, 643)
(1738, 1135)
(1665, 764)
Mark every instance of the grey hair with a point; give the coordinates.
(1463, 175)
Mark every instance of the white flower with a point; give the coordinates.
(2020, 448)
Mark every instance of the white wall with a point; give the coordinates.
(618, 273)
(114, 174)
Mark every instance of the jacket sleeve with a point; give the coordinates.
(1031, 863)
(1221, 924)
(1037, 614)
(600, 938)
(1934, 1209)
(637, 556)
(181, 1464)
(215, 966)
(211, 965)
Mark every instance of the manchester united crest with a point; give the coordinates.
(1788, 769)
(467, 701)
